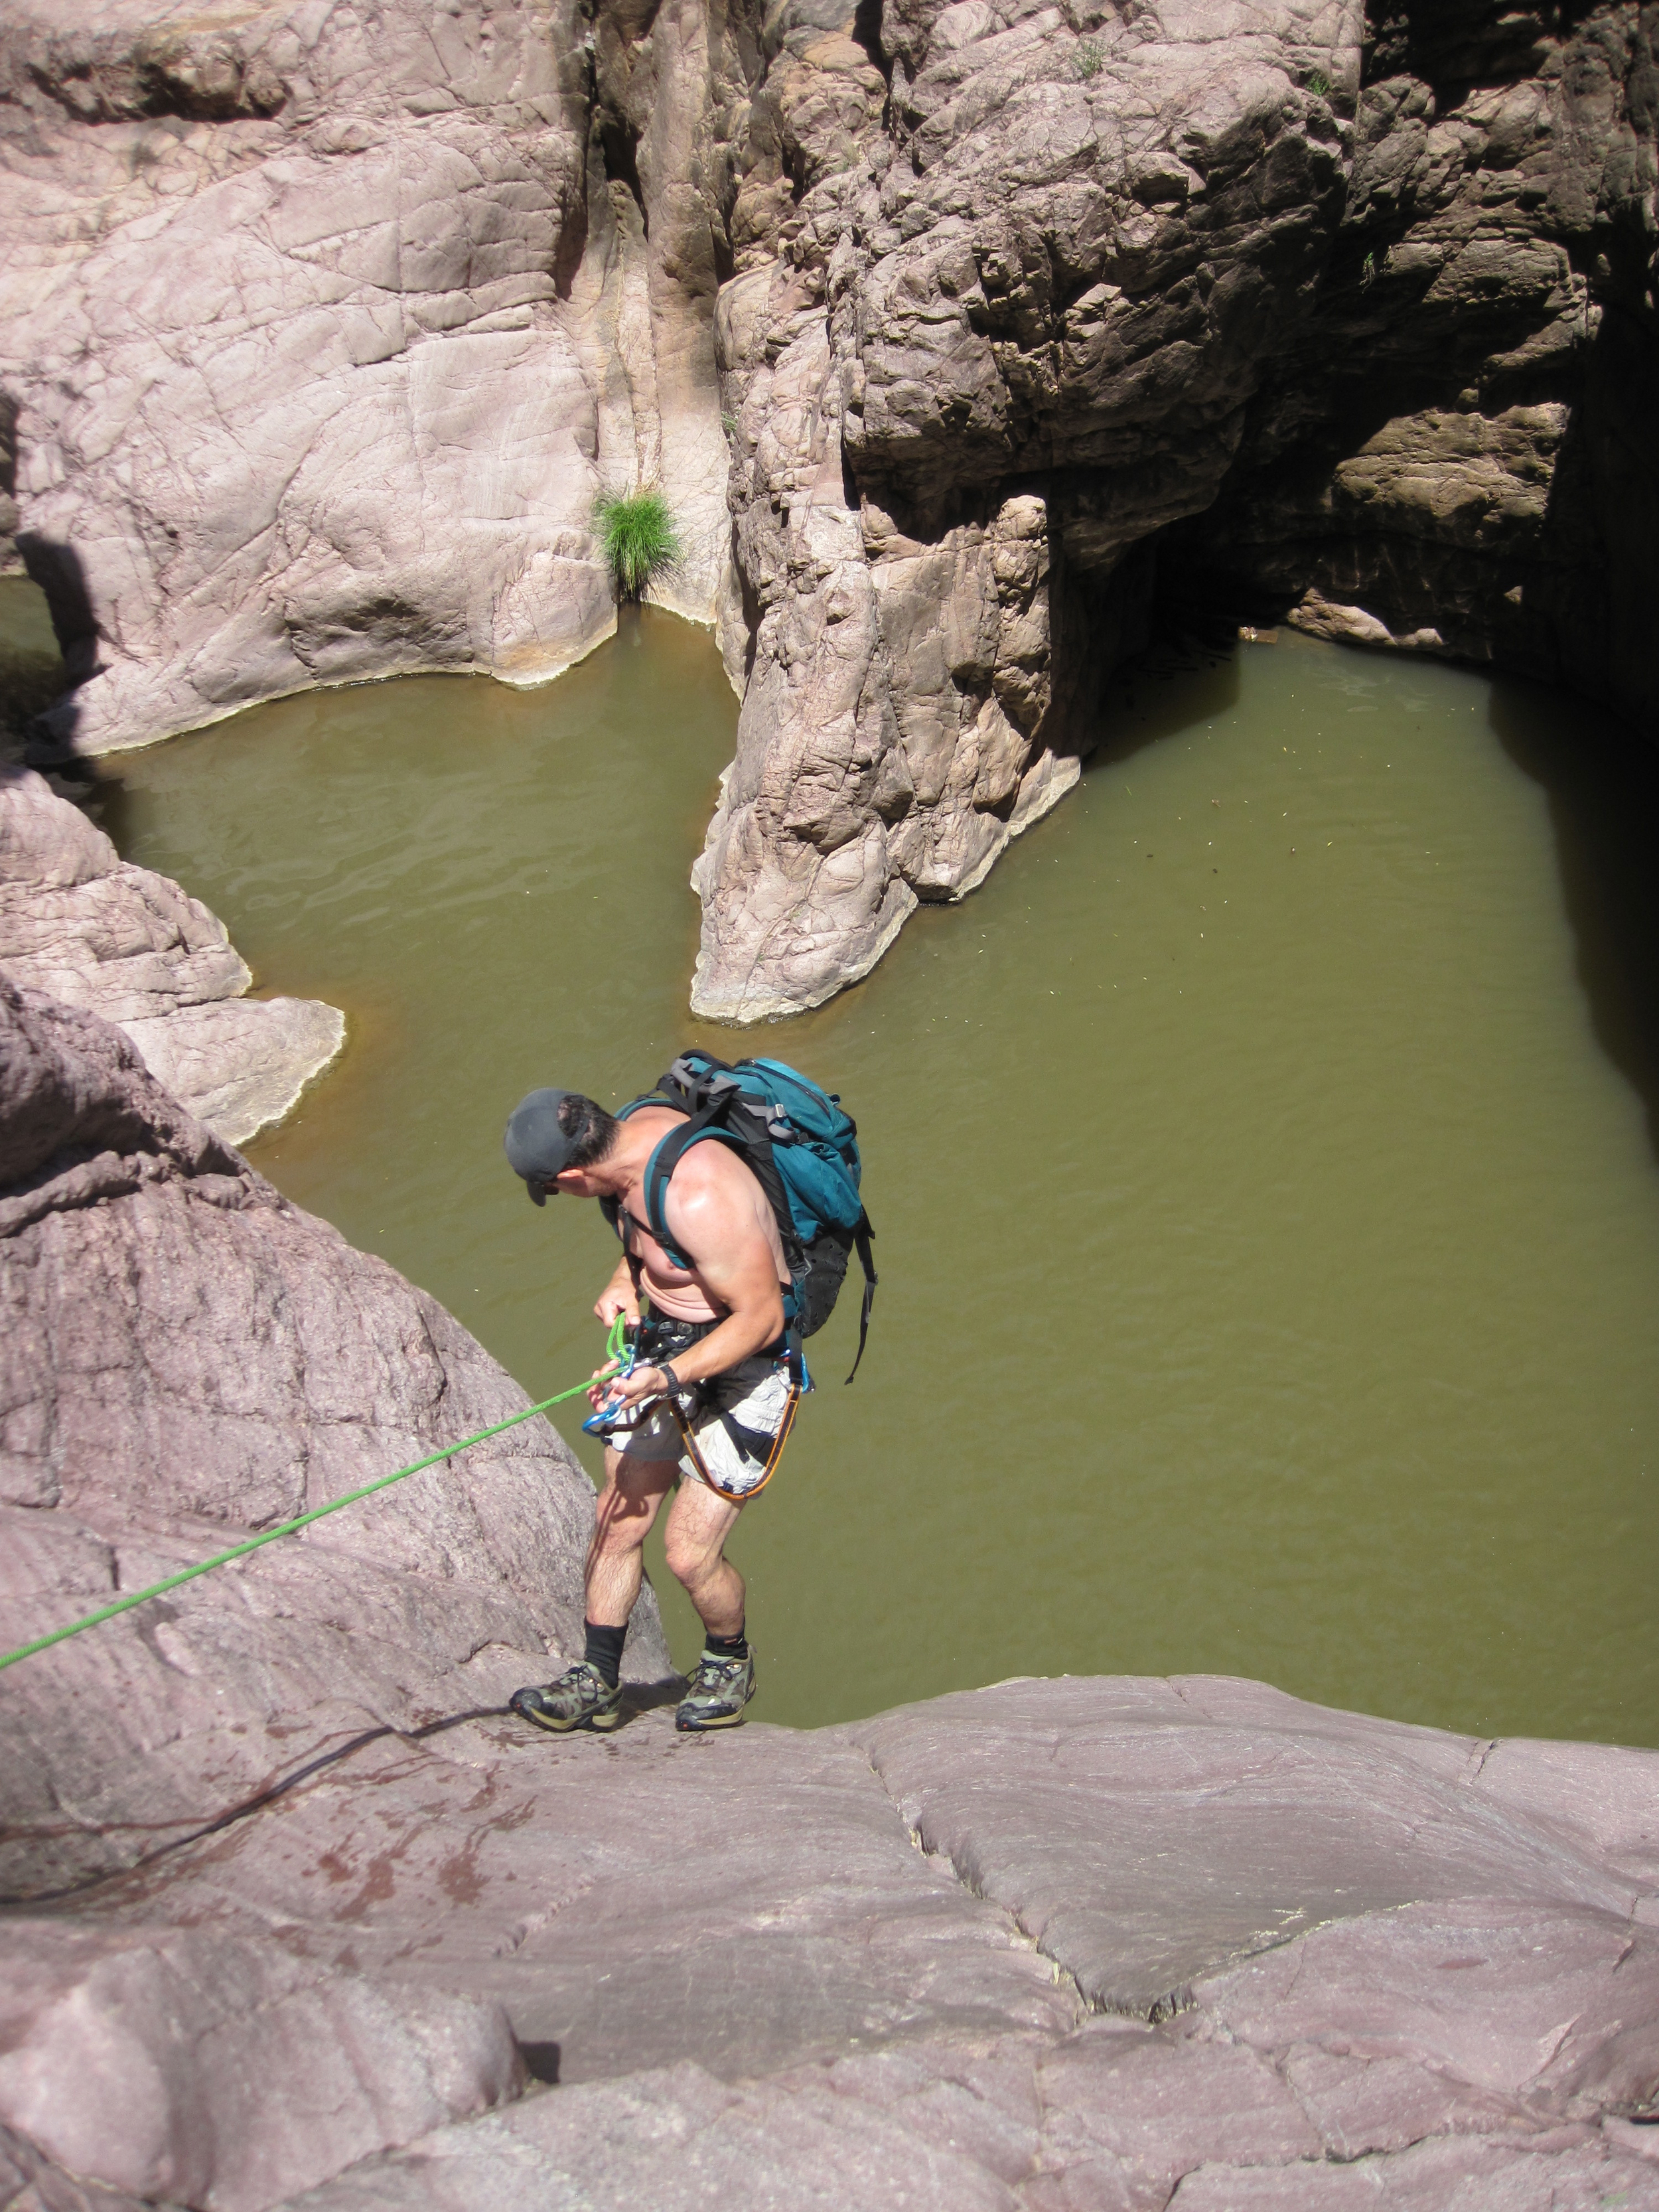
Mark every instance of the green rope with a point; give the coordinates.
(614, 1352)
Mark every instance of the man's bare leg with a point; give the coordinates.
(699, 1521)
(588, 1695)
(634, 1489)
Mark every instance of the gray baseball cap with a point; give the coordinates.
(537, 1147)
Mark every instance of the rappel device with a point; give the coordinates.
(802, 1150)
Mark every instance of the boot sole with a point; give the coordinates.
(702, 1728)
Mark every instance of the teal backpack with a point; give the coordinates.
(803, 1151)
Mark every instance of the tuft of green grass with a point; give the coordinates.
(640, 536)
(1089, 60)
(1320, 86)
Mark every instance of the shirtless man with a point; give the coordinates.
(706, 1409)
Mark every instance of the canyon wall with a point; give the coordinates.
(968, 339)
(322, 328)
(1463, 459)
(1247, 311)
(999, 329)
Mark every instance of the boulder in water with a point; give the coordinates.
(89, 928)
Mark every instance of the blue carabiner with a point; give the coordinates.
(602, 1421)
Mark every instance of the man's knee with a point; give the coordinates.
(625, 1512)
(689, 1555)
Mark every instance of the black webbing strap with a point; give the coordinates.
(795, 1355)
(861, 1237)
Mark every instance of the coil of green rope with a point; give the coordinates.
(614, 1352)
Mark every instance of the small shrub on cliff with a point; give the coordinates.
(639, 538)
(1089, 60)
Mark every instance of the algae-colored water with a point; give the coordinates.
(1268, 1220)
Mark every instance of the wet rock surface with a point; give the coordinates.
(78, 922)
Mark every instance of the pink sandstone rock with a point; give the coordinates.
(81, 924)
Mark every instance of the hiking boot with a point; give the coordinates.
(720, 1689)
(581, 1698)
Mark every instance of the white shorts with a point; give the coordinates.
(728, 1432)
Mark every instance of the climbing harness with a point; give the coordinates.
(616, 1352)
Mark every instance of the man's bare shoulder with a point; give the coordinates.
(712, 1169)
(656, 1121)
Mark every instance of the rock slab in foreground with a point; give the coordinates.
(224, 2068)
(1233, 1825)
(81, 923)
(1422, 1970)
(755, 1991)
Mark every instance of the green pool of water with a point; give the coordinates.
(1268, 1220)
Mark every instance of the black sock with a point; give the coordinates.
(726, 1647)
(605, 1651)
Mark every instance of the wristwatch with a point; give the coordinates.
(665, 1368)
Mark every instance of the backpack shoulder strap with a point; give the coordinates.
(670, 1150)
(756, 1154)
(611, 1207)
